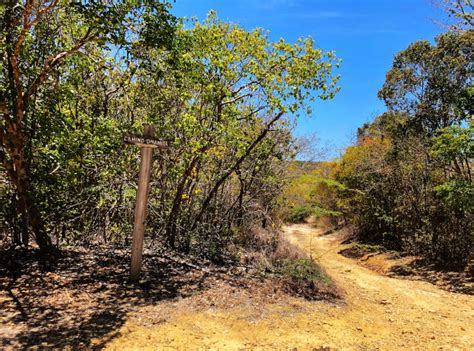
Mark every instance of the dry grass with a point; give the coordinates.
(292, 269)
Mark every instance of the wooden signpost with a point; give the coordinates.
(146, 143)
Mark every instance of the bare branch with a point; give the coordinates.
(236, 165)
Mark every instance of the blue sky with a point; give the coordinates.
(364, 33)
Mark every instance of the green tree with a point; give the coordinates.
(412, 166)
(38, 38)
(224, 103)
(462, 11)
(431, 83)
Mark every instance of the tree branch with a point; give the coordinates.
(27, 24)
(53, 61)
(236, 165)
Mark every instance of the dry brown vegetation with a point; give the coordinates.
(394, 264)
(83, 295)
(379, 313)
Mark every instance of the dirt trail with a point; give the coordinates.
(380, 313)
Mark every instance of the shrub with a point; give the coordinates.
(302, 269)
(299, 214)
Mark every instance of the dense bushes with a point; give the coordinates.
(302, 269)
(271, 254)
(312, 193)
(302, 213)
(217, 93)
(411, 169)
(407, 183)
(299, 214)
(400, 201)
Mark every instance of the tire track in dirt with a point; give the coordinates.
(380, 313)
(399, 313)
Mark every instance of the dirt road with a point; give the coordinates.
(380, 313)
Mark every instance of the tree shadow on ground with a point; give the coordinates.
(458, 280)
(81, 299)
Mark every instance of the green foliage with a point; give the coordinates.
(302, 269)
(221, 95)
(457, 195)
(410, 173)
(222, 103)
(62, 65)
(462, 11)
(429, 82)
(454, 143)
(312, 193)
(299, 214)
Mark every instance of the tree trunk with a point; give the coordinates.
(236, 165)
(17, 170)
(176, 208)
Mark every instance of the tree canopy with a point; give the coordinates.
(221, 95)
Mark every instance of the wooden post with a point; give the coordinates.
(146, 143)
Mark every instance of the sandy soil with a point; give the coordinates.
(379, 313)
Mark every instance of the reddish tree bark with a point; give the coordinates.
(14, 106)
